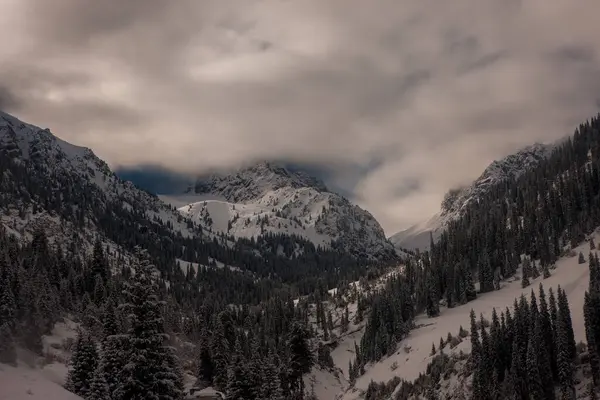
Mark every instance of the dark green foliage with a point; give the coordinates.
(301, 359)
(150, 372)
(99, 389)
(82, 366)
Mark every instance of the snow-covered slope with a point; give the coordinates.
(70, 168)
(413, 354)
(456, 201)
(267, 198)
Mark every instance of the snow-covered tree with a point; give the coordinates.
(149, 373)
(83, 364)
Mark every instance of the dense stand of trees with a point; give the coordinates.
(553, 204)
(127, 345)
(527, 222)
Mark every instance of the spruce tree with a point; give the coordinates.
(204, 364)
(149, 373)
(564, 356)
(99, 389)
(565, 314)
(82, 365)
(534, 378)
(219, 352)
(301, 360)
(546, 333)
(8, 354)
(271, 387)
(238, 386)
(588, 316)
(114, 355)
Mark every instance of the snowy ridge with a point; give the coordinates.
(70, 170)
(456, 201)
(267, 198)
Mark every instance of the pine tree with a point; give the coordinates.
(433, 298)
(149, 373)
(588, 315)
(238, 386)
(564, 355)
(545, 271)
(204, 364)
(83, 364)
(8, 354)
(565, 313)
(271, 388)
(475, 345)
(301, 360)
(534, 379)
(109, 319)
(114, 354)
(219, 352)
(99, 389)
(546, 333)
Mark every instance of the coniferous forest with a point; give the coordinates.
(251, 341)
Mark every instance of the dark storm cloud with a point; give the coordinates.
(397, 101)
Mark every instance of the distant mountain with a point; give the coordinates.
(270, 198)
(456, 201)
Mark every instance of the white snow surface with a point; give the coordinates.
(457, 200)
(25, 383)
(267, 198)
(413, 353)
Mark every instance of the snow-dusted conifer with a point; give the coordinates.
(149, 373)
(82, 365)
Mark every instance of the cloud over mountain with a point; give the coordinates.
(401, 100)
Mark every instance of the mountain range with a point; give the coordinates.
(274, 282)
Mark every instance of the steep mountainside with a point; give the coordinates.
(457, 201)
(267, 198)
(47, 180)
(73, 196)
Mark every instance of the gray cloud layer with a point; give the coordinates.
(424, 92)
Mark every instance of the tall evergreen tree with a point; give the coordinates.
(564, 353)
(149, 373)
(99, 389)
(301, 360)
(83, 364)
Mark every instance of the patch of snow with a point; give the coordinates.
(24, 383)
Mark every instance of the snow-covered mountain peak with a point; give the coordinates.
(269, 198)
(457, 200)
(252, 182)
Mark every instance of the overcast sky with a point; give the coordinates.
(401, 99)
